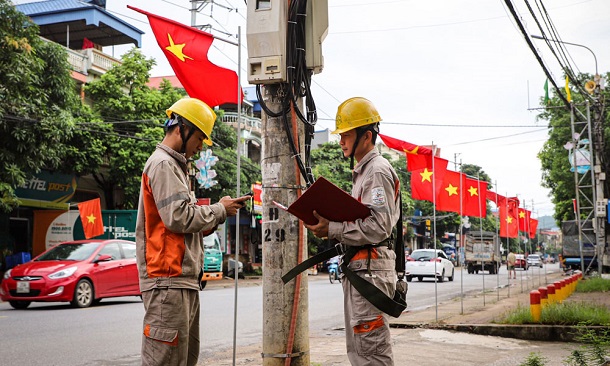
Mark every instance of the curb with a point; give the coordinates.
(532, 332)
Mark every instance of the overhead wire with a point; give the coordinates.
(512, 10)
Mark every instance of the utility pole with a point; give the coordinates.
(600, 176)
(285, 316)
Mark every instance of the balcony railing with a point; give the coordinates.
(252, 124)
(89, 60)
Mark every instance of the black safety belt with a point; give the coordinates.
(391, 306)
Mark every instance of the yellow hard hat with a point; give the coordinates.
(196, 112)
(355, 112)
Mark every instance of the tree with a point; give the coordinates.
(37, 101)
(225, 143)
(556, 174)
(132, 114)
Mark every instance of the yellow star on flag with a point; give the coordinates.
(473, 191)
(521, 215)
(425, 175)
(91, 219)
(176, 49)
(451, 190)
(414, 151)
(509, 220)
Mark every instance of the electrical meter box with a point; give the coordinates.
(266, 36)
(316, 29)
(600, 207)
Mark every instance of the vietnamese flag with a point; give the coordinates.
(91, 218)
(186, 49)
(424, 169)
(524, 220)
(533, 227)
(508, 217)
(475, 198)
(406, 147)
(450, 193)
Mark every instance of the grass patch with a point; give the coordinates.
(593, 284)
(534, 359)
(561, 314)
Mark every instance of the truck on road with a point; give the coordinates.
(212, 262)
(482, 252)
(570, 251)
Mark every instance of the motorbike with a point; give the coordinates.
(334, 270)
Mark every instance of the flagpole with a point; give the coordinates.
(237, 191)
(519, 243)
(505, 232)
(499, 240)
(433, 239)
(461, 248)
(481, 235)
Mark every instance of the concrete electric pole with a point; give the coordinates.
(284, 50)
(285, 316)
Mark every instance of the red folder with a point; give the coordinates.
(329, 201)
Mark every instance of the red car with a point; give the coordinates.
(81, 272)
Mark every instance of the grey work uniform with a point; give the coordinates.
(367, 330)
(169, 254)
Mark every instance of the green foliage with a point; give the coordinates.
(327, 161)
(593, 284)
(37, 101)
(225, 147)
(567, 313)
(534, 359)
(132, 113)
(556, 174)
(595, 349)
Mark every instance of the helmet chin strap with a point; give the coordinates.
(359, 134)
(184, 138)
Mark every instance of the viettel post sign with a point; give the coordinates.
(47, 190)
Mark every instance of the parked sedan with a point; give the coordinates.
(534, 260)
(521, 262)
(81, 272)
(423, 263)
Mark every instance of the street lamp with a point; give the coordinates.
(572, 44)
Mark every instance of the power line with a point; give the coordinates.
(497, 137)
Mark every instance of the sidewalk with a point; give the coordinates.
(419, 337)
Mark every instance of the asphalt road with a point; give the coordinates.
(109, 333)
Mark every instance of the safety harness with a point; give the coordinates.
(391, 306)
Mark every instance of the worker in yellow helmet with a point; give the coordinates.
(169, 244)
(367, 243)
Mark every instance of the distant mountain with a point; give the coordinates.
(546, 223)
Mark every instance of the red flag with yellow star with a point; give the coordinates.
(406, 147)
(524, 220)
(508, 217)
(186, 49)
(91, 218)
(450, 193)
(423, 172)
(533, 227)
(475, 197)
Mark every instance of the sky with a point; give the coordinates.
(455, 73)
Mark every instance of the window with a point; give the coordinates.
(129, 250)
(112, 250)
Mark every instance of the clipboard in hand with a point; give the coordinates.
(329, 201)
